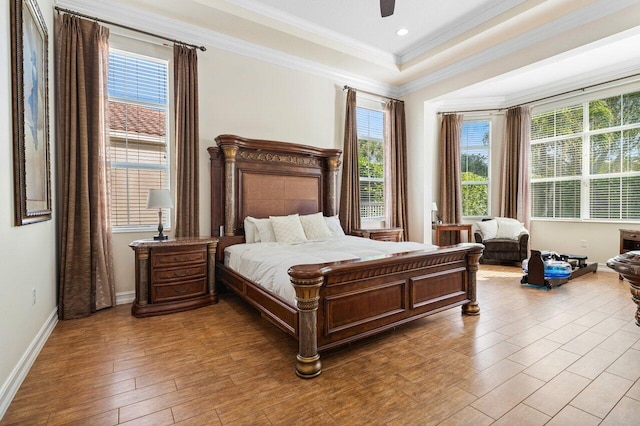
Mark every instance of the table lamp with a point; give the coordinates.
(159, 199)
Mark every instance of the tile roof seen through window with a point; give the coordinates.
(136, 119)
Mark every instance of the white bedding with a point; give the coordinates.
(267, 263)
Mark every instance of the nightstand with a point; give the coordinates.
(174, 275)
(381, 234)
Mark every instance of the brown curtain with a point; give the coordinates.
(86, 281)
(514, 196)
(396, 176)
(185, 65)
(450, 174)
(350, 192)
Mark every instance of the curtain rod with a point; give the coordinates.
(371, 93)
(93, 18)
(582, 89)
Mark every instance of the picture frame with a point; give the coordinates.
(30, 93)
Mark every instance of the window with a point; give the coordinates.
(138, 128)
(475, 141)
(585, 160)
(370, 124)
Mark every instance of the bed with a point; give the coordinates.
(338, 302)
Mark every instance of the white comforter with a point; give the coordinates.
(267, 263)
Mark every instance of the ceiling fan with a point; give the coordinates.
(386, 7)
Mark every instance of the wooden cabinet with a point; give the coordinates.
(382, 234)
(174, 275)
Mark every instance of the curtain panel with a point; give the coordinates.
(396, 176)
(185, 62)
(350, 190)
(450, 172)
(514, 195)
(85, 263)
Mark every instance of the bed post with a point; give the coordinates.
(473, 260)
(332, 185)
(230, 152)
(307, 288)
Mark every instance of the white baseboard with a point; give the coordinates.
(125, 297)
(602, 267)
(17, 376)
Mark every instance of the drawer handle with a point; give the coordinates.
(181, 274)
(183, 291)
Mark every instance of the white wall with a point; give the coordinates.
(27, 253)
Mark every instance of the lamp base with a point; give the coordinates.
(161, 237)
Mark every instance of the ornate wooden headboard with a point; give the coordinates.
(259, 178)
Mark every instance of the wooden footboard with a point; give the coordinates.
(345, 301)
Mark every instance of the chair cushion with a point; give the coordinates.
(489, 229)
(510, 230)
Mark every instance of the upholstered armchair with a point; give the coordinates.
(504, 239)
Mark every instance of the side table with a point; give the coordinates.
(452, 227)
(174, 275)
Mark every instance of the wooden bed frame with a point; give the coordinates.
(338, 302)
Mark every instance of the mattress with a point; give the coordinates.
(267, 263)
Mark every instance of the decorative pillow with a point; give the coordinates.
(489, 229)
(265, 231)
(314, 226)
(333, 223)
(287, 229)
(502, 220)
(510, 230)
(251, 234)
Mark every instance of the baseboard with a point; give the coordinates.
(17, 376)
(125, 297)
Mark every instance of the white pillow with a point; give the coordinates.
(287, 229)
(251, 234)
(489, 229)
(510, 230)
(333, 223)
(265, 231)
(502, 220)
(314, 226)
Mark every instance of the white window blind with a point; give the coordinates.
(585, 160)
(138, 128)
(475, 142)
(370, 124)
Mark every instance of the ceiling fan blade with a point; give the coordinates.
(386, 7)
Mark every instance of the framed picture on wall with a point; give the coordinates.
(30, 93)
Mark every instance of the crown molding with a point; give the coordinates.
(565, 23)
(389, 59)
(136, 18)
(461, 26)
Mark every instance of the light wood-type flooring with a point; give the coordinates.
(566, 356)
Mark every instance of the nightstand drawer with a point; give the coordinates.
(183, 273)
(634, 236)
(177, 291)
(177, 257)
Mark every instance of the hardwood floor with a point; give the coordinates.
(570, 355)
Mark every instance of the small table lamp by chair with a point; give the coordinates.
(159, 199)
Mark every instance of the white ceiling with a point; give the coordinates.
(469, 51)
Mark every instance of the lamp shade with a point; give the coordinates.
(159, 199)
(434, 207)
